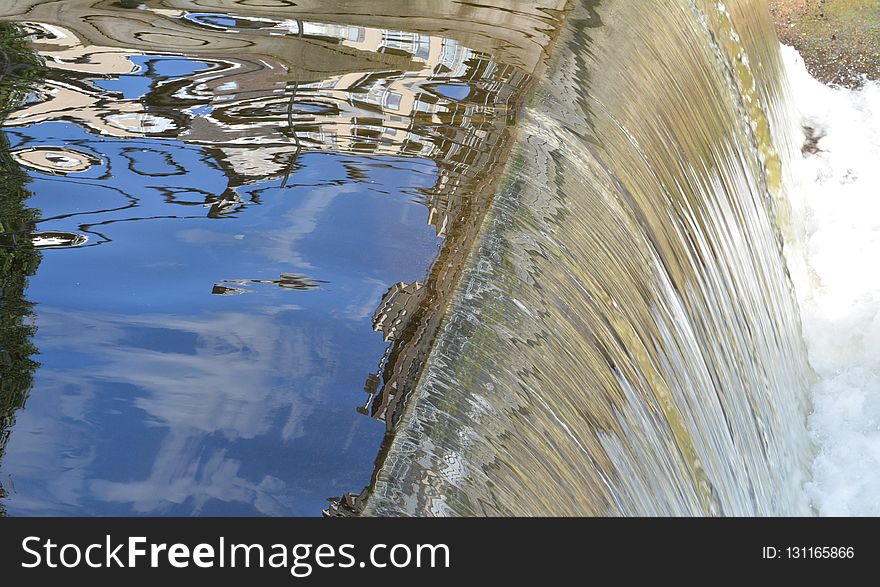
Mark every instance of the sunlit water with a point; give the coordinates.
(223, 195)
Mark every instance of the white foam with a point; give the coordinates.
(835, 263)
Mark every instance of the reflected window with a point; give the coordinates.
(392, 100)
(423, 48)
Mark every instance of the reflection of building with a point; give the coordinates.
(57, 239)
(398, 304)
(449, 104)
(392, 318)
(66, 60)
(54, 160)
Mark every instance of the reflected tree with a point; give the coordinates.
(18, 258)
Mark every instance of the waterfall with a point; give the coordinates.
(625, 339)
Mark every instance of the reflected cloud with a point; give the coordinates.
(181, 474)
(236, 376)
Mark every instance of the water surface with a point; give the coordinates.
(221, 195)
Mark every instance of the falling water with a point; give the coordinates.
(625, 340)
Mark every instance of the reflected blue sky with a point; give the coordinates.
(155, 396)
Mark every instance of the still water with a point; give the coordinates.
(235, 214)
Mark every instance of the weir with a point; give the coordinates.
(549, 234)
(245, 211)
(625, 339)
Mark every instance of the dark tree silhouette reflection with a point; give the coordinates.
(18, 257)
